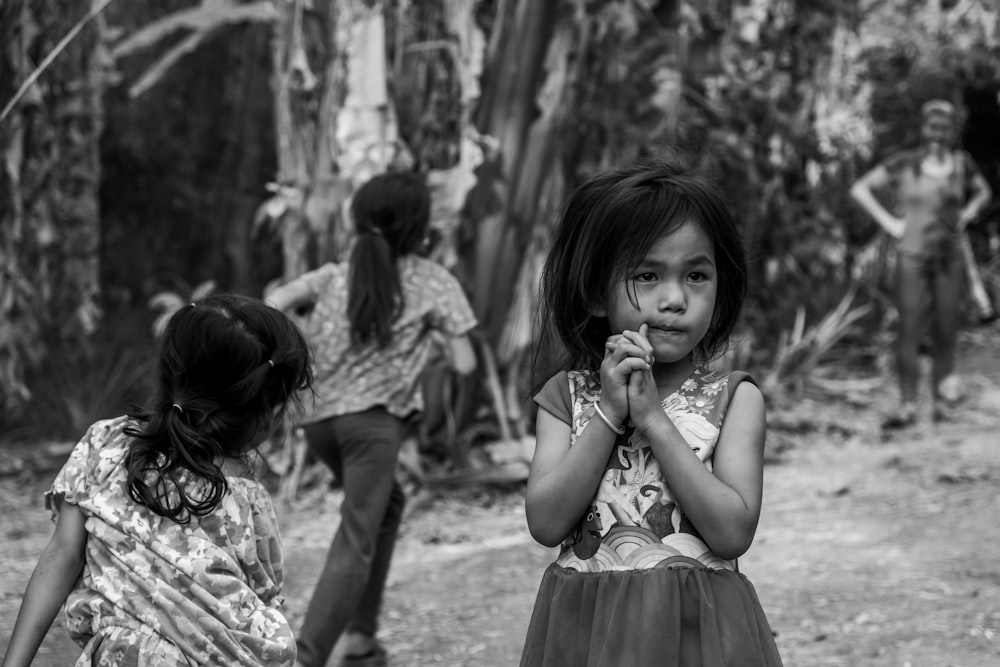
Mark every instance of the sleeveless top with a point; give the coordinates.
(929, 204)
(634, 522)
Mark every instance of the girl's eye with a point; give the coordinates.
(697, 276)
(645, 277)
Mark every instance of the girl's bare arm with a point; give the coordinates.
(563, 479)
(57, 571)
(291, 295)
(724, 504)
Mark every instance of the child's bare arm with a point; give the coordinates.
(57, 571)
(563, 479)
(291, 296)
(724, 504)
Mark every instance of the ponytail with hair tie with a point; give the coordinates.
(217, 398)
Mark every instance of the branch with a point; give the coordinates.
(199, 19)
(157, 70)
(59, 48)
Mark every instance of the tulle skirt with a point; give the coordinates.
(686, 616)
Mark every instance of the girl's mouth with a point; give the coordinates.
(666, 330)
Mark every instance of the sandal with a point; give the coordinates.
(950, 390)
(376, 657)
(904, 417)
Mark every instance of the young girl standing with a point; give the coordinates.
(176, 543)
(375, 323)
(648, 468)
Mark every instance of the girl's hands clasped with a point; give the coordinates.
(644, 406)
(628, 388)
(623, 356)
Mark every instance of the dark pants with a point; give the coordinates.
(929, 291)
(361, 449)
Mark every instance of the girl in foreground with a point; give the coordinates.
(176, 543)
(648, 469)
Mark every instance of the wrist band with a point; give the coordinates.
(620, 430)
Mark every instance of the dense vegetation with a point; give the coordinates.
(173, 143)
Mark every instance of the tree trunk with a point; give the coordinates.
(307, 107)
(521, 35)
(49, 222)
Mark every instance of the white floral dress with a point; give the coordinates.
(639, 523)
(154, 592)
(635, 584)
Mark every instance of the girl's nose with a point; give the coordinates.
(671, 298)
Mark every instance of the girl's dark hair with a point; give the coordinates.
(391, 214)
(229, 366)
(609, 225)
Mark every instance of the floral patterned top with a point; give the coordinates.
(205, 593)
(350, 378)
(634, 522)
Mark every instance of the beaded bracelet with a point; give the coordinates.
(620, 430)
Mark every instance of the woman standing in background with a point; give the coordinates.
(939, 191)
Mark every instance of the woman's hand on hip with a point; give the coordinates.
(894, 226)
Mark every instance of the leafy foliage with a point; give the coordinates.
(785, 102)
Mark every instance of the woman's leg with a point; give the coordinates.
(365, 447)
(912, 290)
(947, 295)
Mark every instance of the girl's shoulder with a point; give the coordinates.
(715, 379)
(709, 392)
(566, 389)
(416, 266)
(95, 459)
(107, 436)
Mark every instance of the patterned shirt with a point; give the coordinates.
(634, 522)
(157, 592)
(351, 378)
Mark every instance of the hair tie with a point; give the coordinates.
(179, 408)
(270, 362)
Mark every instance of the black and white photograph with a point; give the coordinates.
(499, 333)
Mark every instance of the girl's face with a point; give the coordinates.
(675, 287)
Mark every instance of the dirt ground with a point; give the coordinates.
(870, 551)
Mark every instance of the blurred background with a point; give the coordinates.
(158, 150)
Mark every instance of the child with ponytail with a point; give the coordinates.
(376, 321)
(166, 549)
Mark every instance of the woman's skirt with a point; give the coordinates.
(684, 616)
